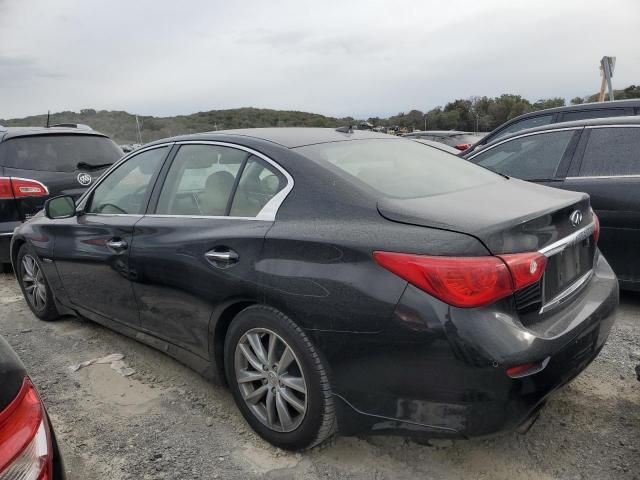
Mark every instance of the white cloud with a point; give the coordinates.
(359, 58)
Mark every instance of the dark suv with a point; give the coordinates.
(585, 111)
(39, 162)
(600, 157)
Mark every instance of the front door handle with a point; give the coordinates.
(222, 257)
(117, 244)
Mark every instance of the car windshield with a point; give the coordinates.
(399, 168)
(59, 153)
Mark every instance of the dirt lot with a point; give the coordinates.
(165, 421)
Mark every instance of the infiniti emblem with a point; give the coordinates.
(576, 218)
(84, 179)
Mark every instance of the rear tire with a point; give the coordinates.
(34, 285)
(278, 379)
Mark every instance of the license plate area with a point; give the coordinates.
(567, 266)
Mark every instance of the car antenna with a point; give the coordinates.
(345, 129)
(48, 115)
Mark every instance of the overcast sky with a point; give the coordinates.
(360, 58)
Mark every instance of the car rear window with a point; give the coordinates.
(399, 168)
(58, 153)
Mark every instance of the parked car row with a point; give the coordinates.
(326, 275)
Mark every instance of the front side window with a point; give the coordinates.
(522, 124)
(201, 180)
(534, 157)
(611, 151)
(124, 190)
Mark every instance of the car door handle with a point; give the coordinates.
(117, 244)
(222, 257)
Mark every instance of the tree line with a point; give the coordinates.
(471, 114)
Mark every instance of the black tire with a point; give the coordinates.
(318, 422)
(46, 310)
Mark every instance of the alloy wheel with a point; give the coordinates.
(271, 380)
(33, 283)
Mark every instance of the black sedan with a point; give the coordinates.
(337, 281)
(600, 157)
(28, 448)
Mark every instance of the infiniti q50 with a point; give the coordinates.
(337, 281)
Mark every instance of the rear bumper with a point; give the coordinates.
(442, 370)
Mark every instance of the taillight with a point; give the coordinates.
(15, 187)
(596, 231)
(463, 146)
(466, 281)
(525, 268)
(25, 443)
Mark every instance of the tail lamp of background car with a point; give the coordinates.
(463, 146)
(466, 282)
(14, 187)
(25, 441)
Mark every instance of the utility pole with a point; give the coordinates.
(607, 65)
(138, 131)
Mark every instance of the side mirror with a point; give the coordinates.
(60, 207)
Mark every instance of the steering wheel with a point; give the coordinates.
(115, 207)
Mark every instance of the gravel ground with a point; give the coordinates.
(166, 422)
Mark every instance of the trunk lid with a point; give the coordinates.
(508, 217)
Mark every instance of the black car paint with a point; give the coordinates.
(399, 359)
(15, 211)
(558, 115)
(12, 376)
(615, 199)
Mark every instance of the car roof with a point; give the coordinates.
(605, 121)
(12, 132)
(289, 137)
(579, 107)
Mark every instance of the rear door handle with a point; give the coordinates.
(222, 257)
(117, 244)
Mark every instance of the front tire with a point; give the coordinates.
(278, 379)
(34, 285)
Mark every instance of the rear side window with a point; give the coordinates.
(201, 180)
(59, 153)
(612, 151)
(525, 123)
(259, 183)
(534, 157)
(585, 114)
(398, 168)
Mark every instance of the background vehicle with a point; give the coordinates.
(335, 280)
(39, 162)
(600, 157)
(584, 111)
(460, 140)
(28, 448)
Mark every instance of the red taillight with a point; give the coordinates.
(466, 281)
(15, 187)
(525, 268)
(596, 231)
(25, 444)
(463, 146)
(458, 281)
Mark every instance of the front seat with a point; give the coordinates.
(217, 189)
